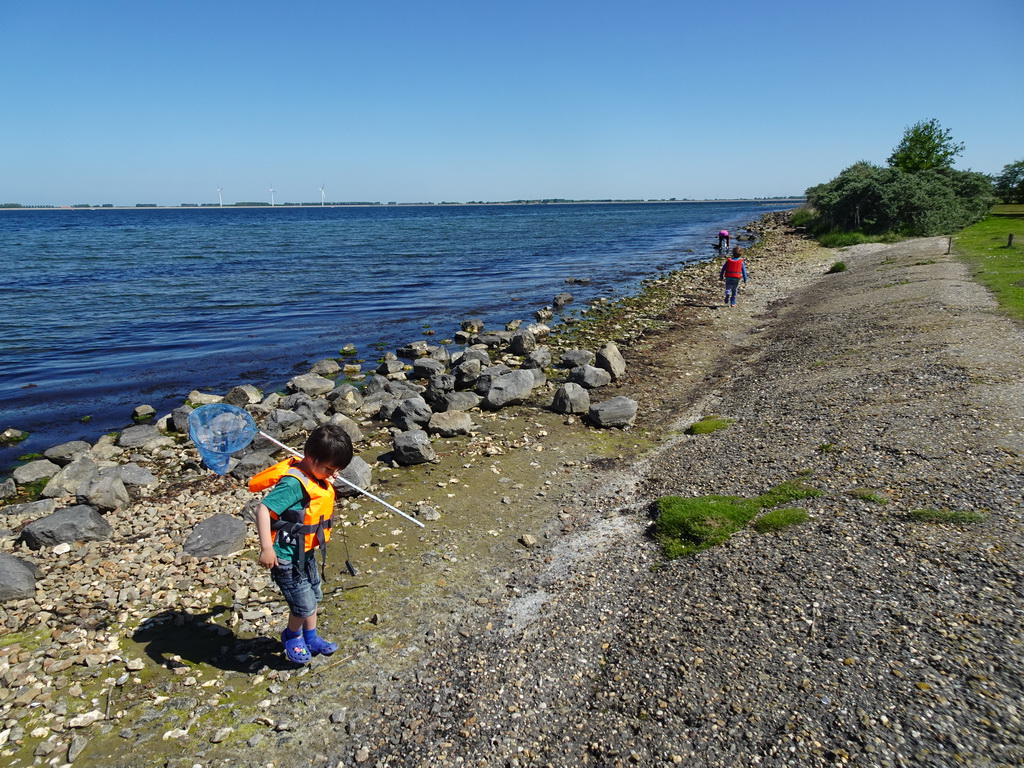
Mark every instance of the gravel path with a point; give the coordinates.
(862, 637)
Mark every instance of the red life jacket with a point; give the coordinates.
(734, 268)
(312, 522)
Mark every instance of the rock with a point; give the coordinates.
(33, 509)
(458, 401)
(522, 343)
(590, 376)
(325, 367)
(352, 429)
(466, 372)
(359, 473)
(543, 315)
(472, 326)
(221, 534)
(17, 579)
(571, 358)
(538, 358)
(67, 525)
(310, 383)
(143, 413)
(195, 397)
(243, 395)
(487, 375)
(85, 719)
(280, 424)
(413, 350)
(617, 412)
(71, 477)
(411, 413)
(252, 463)
(138, 436)
(105, 493)
(8, 488)
(610, 359)
(529, 541)
(179, 417)
(438, 386)
(450, 423)
(426, 367)
(390, 367)
(40, 469)
(65, 453)
(76, 746)
(10, 436)
(571, 398)
(413, 447)
(539, 330)
(345, 399)
(562, 299)
(130, 474)
(511, 389)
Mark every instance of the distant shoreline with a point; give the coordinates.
(209, 207)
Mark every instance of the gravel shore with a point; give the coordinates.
(862, 637)
(535, 623)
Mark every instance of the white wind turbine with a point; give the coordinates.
(220, 199)
(322, 195)
(271, 195)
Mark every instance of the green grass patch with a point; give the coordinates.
(952, 516)
(826, 448)
(839, 266)
(688, 525)
(778, 519)
(868, 494)
(30, 456)
(998, 267)
(708, 425)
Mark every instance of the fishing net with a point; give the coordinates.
(219, 430)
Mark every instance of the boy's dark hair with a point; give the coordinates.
(329, 444)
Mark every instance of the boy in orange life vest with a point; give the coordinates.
(293, 520)
(732, 270)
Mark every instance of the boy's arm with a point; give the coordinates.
(268, 557)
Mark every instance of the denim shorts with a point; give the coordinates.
(301, 588)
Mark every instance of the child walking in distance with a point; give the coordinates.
(733, 270)
(293, 521)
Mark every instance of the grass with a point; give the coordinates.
(951, 516)
(839, 266)
(867, 494)
(778, 519)
(688, 525)
(708, 424)
(999, 268)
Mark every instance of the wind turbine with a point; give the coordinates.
(220, 198)
(271, 195)
(322, 195)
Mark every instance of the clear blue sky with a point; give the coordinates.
(400, 100)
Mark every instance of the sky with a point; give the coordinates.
(112, 102)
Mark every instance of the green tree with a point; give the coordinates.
(925, 146)
(1010, 183)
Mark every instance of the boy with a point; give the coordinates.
(293, 520)
(733, 270)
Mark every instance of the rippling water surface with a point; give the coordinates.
(106, 309)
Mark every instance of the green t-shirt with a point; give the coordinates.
(287, 495)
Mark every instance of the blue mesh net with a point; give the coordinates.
(219, 430)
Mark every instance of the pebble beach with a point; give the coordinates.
(534, 622)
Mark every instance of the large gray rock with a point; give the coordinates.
(413, 447)
(17, 579)
(617, 412)
(522, 343)
(467, 372)
(325, 367)
(411, 414)
(252, 463)
(539, 358)
(574, 357)
(8, 488)
(243, 395)
(487, 376)
(310, 383)
(425, 367)
(562, 299)
(282, 424)
(71, 477)
(130, 474)
(179, 417)
(571, 398)
(105, 493)
(590, 376)
(610, 359)
(33, 509)
(358, 472)
(355, 434)
(218, 535)
(345, 399)
(511, 389)
(67, 525)
(458, 401)
(65, 453)
(138, 436)
(450, 424)
(40, 469)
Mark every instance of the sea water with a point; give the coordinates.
(106, 309)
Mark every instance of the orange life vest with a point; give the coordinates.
(313, 522)
(734, 268)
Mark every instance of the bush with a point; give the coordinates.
(839, 266)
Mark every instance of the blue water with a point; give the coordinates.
(106, 309)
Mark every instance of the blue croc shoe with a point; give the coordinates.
(317, 644)
(296, 650)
